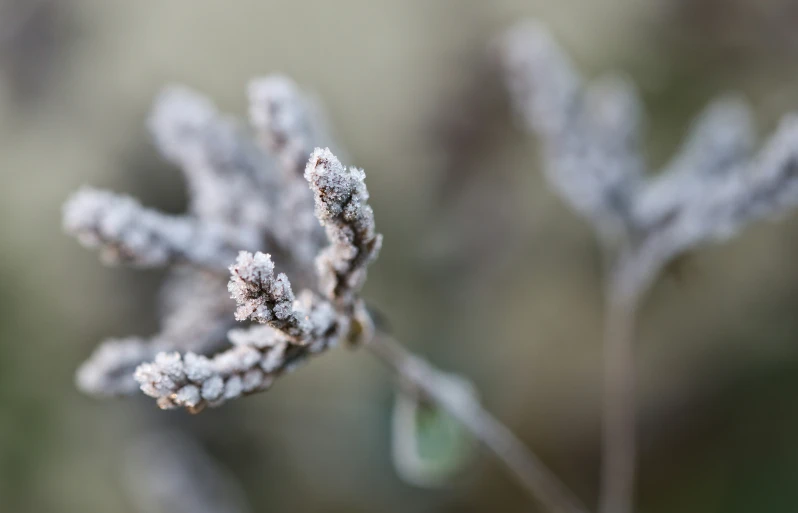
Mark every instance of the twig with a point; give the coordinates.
(436, 386)
(618, 434)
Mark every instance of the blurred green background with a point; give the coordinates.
(484, 270)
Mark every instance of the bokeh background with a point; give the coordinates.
(484, 270)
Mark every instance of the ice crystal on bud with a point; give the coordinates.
(264, 297)
(341, 206)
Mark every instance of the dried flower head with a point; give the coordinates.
(243, 197)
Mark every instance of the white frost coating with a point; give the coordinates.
(341, 198)
(126, 232)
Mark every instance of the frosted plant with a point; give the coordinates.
(270, 200)
(712, 188)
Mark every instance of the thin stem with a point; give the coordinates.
(440, 388)
(618, 436)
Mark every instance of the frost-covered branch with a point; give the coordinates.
(341, 207)
(259, 355)
(266, 298)
(126, 232)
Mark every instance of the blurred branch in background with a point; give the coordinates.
(711, 190)
(34, 36)
(475, 227)
(169, 472)
(736, 28)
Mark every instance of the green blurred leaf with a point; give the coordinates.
(430, 447)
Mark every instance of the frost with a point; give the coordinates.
(264, 297)
(341, 197)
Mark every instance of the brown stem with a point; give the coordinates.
(618, 436)
(444, 391)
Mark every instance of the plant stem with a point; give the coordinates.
(447, 392)
(618, 436)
